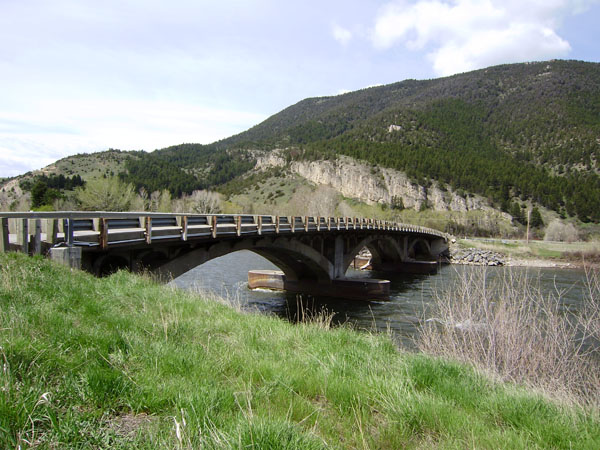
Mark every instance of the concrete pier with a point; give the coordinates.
(68, 256)
(355, 289)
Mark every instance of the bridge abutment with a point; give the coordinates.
(68, 256)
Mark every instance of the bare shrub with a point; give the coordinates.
(591, 255)
(323, 201)
(161, 201)
(199, 202)
(320, 201)
(509, 328)
(345, 210)
(558, 231)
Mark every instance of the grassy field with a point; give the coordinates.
(123, 362)
(574, 251)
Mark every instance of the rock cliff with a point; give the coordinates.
(372, 184)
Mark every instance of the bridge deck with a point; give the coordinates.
(100, 230)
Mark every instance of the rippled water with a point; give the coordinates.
(403, 313)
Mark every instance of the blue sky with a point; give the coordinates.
(82, 76)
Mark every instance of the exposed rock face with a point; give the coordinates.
(371, 184)
(268, 159)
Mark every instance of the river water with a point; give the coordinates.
(403, 314)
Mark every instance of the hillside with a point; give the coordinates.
(520, 131)
(513, 134)
(524, 130)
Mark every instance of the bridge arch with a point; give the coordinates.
(382, 248)
(295, 258)
(419, 249)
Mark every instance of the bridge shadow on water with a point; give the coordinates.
(227, 276)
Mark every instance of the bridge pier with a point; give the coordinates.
(355, 289)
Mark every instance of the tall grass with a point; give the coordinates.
(510, 328)
(123, 362)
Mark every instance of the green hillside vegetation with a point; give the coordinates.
(91, 165)
(526, 131)
(122, 362)
(185, 168)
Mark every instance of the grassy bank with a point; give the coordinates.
(574, 252)
(123, 362)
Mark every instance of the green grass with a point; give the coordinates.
(124, 362)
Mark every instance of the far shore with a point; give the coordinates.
(537, 253)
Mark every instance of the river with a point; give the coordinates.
(402, 314)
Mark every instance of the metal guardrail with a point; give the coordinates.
(103, 229)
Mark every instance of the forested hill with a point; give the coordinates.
(530, 130)
(523, 130)
(534, 108)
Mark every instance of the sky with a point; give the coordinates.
(81, 76)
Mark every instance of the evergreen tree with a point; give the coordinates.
(536, 220)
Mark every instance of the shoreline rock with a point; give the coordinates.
(476, 257)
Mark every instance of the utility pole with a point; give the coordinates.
(528, 219)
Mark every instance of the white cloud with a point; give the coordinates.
(31, 141)
(341, 34)
(463, 35)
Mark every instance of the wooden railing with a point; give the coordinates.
(103, 229)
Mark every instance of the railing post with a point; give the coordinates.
(277, 224)
(184, 228)
(69, 232)
(305, 224)
(23, 234)
(238, 225)
(51, 230)
(37, 243)
(259, 222)
(318, 223)
(214, 226)
(103, 229)
(4, 241)
(292, 221)
(148, 230)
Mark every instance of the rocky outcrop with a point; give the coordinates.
(373, 184)
(476, 257)
(265, 160)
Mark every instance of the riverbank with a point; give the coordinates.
(542, 254)
(125, 362)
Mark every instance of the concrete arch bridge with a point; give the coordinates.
(313, 253)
